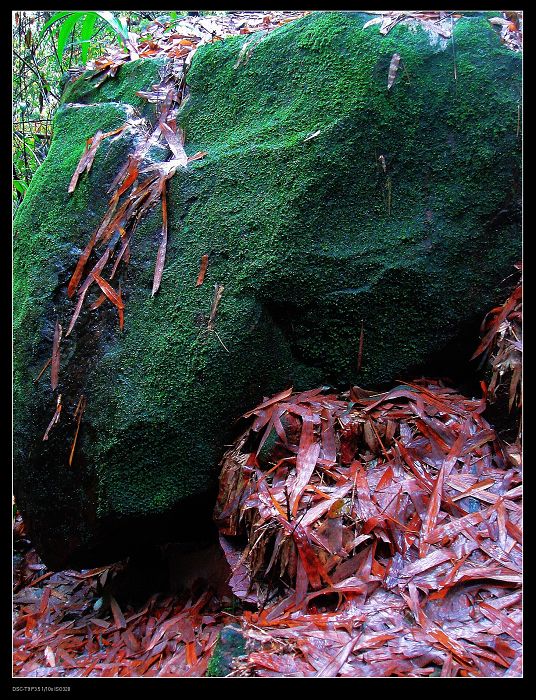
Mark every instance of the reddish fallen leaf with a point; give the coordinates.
(77, 274)
(202, 270)
(269, 402)
(191, 656)
(131, 175)
(308, 452)
(334, 666)
(55, 367)
(85, 286)
(86, 160)
(497, 319)
(175, 142)
(123, 254)
(109, 291)
(119, 618)
(507, 625)
(432, 512)
(197, 156)
(314, 568)
(98, 302)
(55, 418)
(161, 255)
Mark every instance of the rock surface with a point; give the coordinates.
(304, 227)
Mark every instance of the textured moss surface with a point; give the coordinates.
(130, 78)
(301, 234)
(316, 213)
(231, 644)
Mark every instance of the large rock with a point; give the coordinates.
(308, 236)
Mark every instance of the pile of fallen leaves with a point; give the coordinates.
(178, 39)
(69, 624)
(387, 528)
(502, 347)
(368, 535)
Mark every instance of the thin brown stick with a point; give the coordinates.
(79, 411)
(55, 368)
(161, 255)
(360, 352)
(43, 370)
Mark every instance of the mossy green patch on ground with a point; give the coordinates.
(230, 645)
(310, 237)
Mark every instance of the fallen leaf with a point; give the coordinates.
(202, 270)
(161, 255)
(55, 367)
(393, 68)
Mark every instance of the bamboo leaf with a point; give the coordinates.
(112, 21)
(55, 367)
(55, 18)
(161, 255)
(393, 68)
(86, 33)
(202, 270)
(65, 32)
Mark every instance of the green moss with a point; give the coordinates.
(129, 79)
(231, 644)
(451, 148)
(300, 233)
(50, 230)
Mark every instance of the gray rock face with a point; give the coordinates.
(326, 199)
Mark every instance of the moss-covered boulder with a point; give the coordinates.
(326, 200)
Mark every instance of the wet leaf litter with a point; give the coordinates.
(378, 535)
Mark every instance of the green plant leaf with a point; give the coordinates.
(21, 186)
(114, 24)
(86, 33)
(52, 20)
(65, 31)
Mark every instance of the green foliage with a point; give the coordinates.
(45, 46)
(87, 21)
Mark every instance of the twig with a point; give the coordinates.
(42, 371)
(215, 303)
(360, 353)
(221, 341)
(79, 411)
